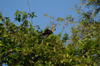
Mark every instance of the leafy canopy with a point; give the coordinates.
(23, 45)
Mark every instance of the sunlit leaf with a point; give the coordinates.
(46, 14)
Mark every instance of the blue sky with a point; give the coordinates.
(55, 8)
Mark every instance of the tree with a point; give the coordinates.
(86, 35)
(23, 45)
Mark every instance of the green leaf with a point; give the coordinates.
(5, 35)
(1, 44)
(19, 17)
(46, 14)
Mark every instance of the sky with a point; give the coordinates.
(55, 8)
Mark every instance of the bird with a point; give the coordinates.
(48, 32)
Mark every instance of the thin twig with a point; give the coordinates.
(29, 10)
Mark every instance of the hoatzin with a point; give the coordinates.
(48, 32)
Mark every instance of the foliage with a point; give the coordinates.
(23, 45)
